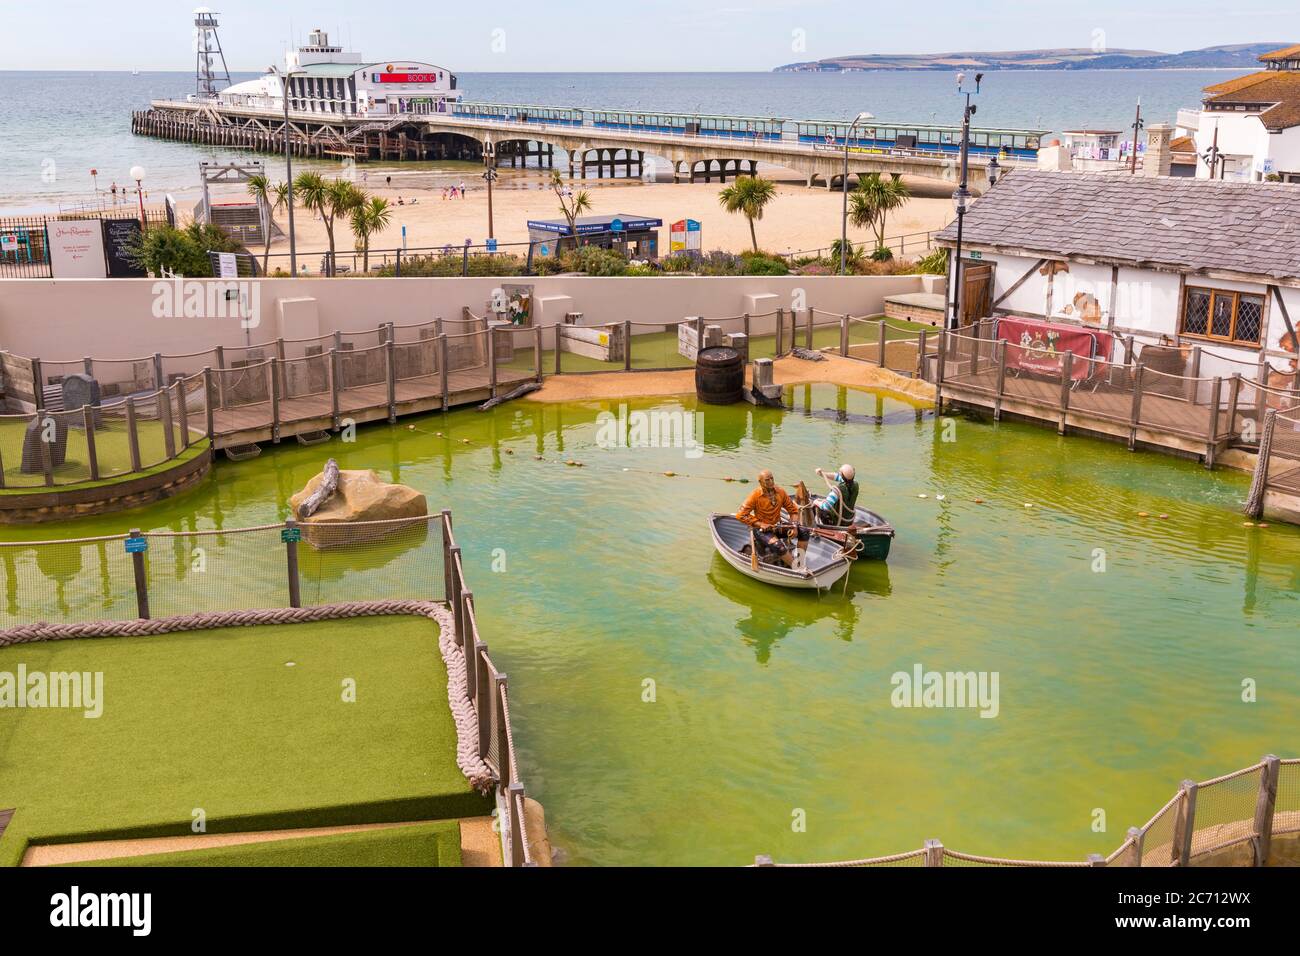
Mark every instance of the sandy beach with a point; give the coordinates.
(798, 219)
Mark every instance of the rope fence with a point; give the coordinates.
(1244, 809)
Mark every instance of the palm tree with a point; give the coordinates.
(273, 197)
(371, 217)
(748, 195)
(872, 202)
(330, 199)
(571, 204)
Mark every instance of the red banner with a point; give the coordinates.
(1040, 347)
(407, 77)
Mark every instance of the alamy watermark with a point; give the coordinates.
(940, 689)
(657, 428)
(72, 690)
(180, 298)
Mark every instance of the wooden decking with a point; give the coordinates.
(1157, 420)
(275, 420)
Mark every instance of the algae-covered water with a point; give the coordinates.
(670, 711)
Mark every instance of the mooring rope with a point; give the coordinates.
(476, 771)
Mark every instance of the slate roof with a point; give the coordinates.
(1193, 225)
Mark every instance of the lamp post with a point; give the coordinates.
(844, 192)
(288, 165)
(489, 176)
(961, 198)
(137, 173)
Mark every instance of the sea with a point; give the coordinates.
(58, 127)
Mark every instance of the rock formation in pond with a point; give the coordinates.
(360, 496)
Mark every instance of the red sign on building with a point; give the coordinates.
(406, 77)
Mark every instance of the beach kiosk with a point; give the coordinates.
(637, 237)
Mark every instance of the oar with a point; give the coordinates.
(753, 550)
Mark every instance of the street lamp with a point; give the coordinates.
(994, 171)
(489, 176)
(137, 173)
(288, 166)
(844, 191)
(961, 198)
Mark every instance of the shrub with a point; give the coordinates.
(594, 261)
(183, 251)
(762, 264)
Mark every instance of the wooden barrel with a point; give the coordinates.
(720, 375)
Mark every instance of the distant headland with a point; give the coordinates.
(1231, 56)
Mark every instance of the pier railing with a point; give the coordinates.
(98, 585)
(1232, 820)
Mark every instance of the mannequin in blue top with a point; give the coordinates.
(841, 496)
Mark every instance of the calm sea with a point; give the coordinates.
(59, 126)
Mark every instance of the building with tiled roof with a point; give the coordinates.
(1164, 260)
(1248, 128)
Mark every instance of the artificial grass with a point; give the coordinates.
(216, 721)
(420, 844)
(112, 452)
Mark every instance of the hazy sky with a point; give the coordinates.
(606, 35)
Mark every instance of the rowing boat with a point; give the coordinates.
(874, 532)
(824, 563)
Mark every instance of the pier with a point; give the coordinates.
(691, 156)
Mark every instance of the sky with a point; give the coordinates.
(606, 35)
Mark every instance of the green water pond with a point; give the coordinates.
(670, 711)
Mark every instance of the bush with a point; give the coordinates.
(182, 251)
(936, 263)
(882, 254)
(762, 264)
(594, 261)
(452, 263)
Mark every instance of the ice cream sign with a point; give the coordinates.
(406, 74)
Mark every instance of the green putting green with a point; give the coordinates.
(246, 728)
(112, 453)
(421, 844)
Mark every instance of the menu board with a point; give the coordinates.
(120, 236)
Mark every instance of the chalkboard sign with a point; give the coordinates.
(119, 236)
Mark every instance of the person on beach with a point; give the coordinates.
(462, 189)
(841, 496)
(762, 511)
(388, 181)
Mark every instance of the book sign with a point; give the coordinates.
(77, 249)
(684, 236)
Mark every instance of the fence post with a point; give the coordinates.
(88, 420)
(273, 370)
(464, 263)
(1137, 835)
(880, 335)
(921, 341)
(1067, 371)
(537, 350)
(469, 641)
(479, 666)
(390, 377)
(38, 387)
(334, 389)
(157, 370)
(503, 739)
(627, 345)
(492, 362)
(933, 853)
(809, 321)
(763, 860)
(1135, 414)
(291, 561)
(1211, 440)
(1234, 396)
(780, 332)
(844, 335)
(88, 366)
(744, 327)
(1096, 859)
(163, 400)
(1184, 824)
(1194, 373)
(207, 400)
(1001, 380)
(699, 334)
(942, 353)
(516, 800)
(442, 370)
(182, 413)
(397, 265)
(132, 434)
(1265, 804)
(141, 580)
(446, 555)
(455, 596)
(221, 379)
(284, 380)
